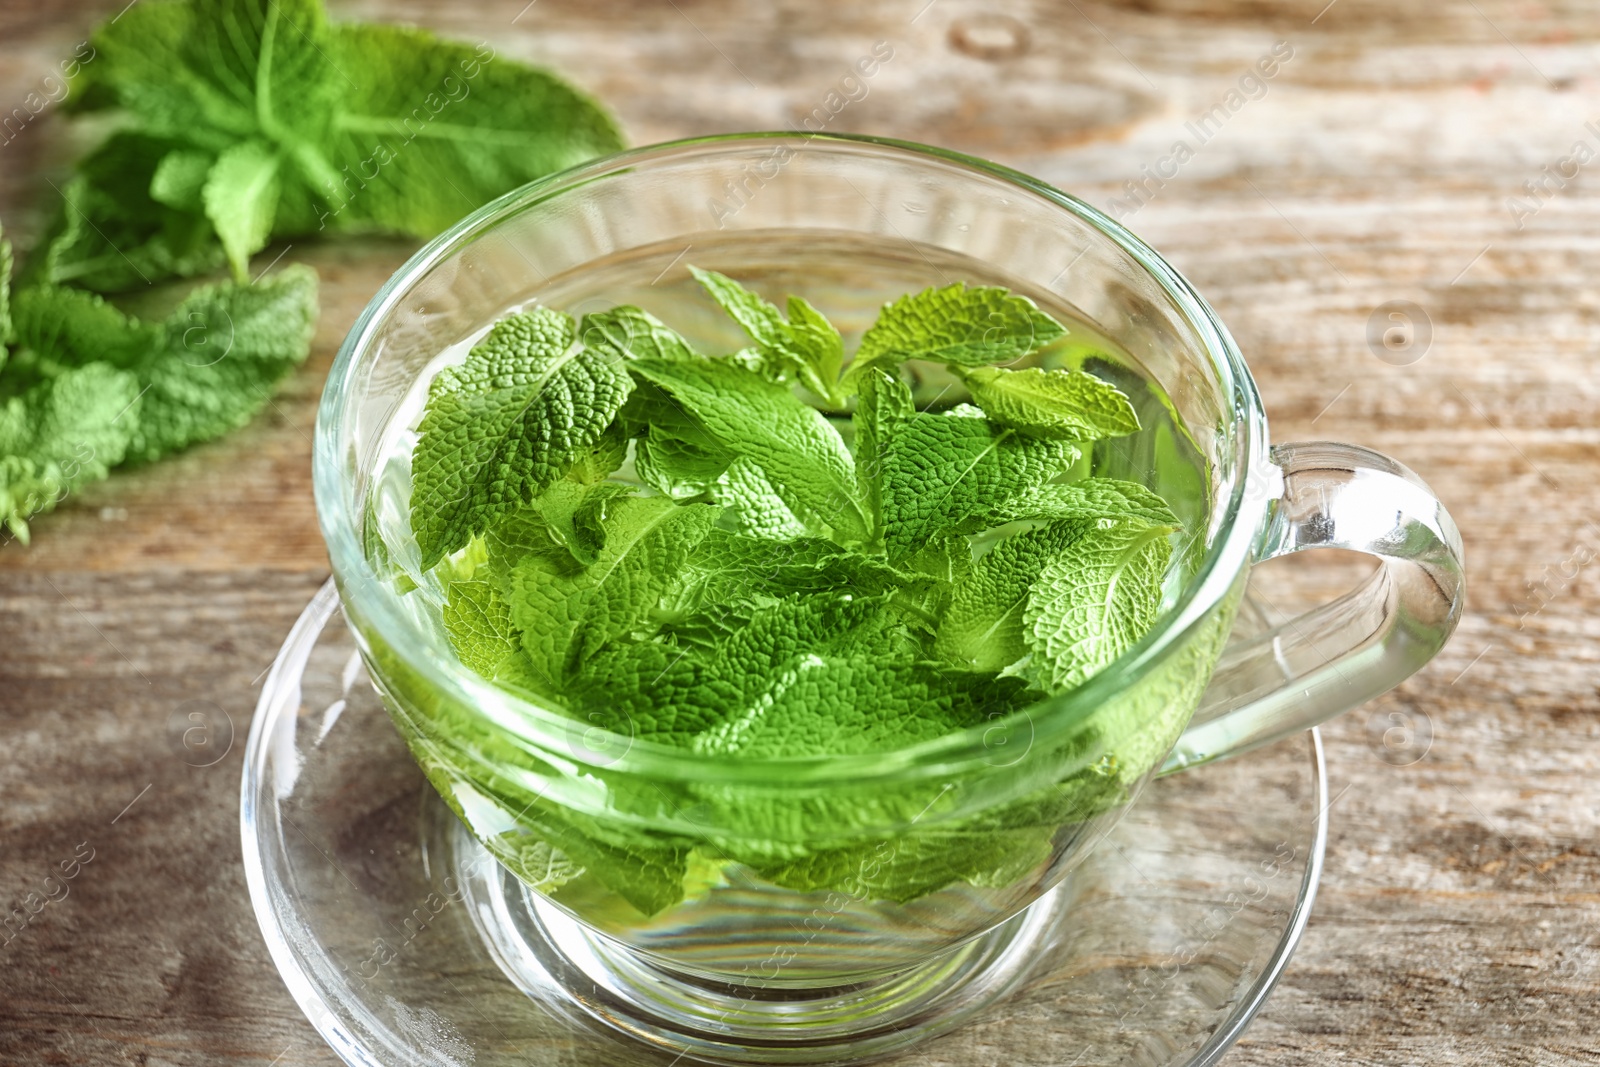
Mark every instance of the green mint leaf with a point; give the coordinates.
(206, 369)
(1090, 605)
(933, 572)
(948, 472)
(730, 568)
(523, 532)
(577, 516)
(647, 874)
(756, 504)
(311, 127)
(565, 526)
(695, 466)
(650, 691)
(758, 318)
(657, 692)
(478, 623)
(918, 863)
(60, 328)
(141, 64)
(1092, 498)
(821, 705)
(806, 346)
(788, 439)
(218, 71)
(241, 199)
(567, 617)
(431, 129)
(946, 558)
(820, 347)
(675, 468)
(28, 488)
(1070, 405)
(652, 412)
(601, 459)
(627, 332)
(983, 628)
(226, 348)
(180, 179)
(111, 235)
(506, 423)
(212, 75)
(553, 844)
(883, 405)
(683, 471)
(955, 324)
(994, 849)
(536, 862)
(61, 433)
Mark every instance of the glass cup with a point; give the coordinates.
(826, 908)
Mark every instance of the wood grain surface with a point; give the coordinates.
(1459, 919)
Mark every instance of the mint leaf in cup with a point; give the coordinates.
(1092, 498)
(1068, 405)
(983, 629)
(504, 424)
(807, 461)
(948, 472)
(955, 324)
(1091, 603)
(806, 345)
(567, 615)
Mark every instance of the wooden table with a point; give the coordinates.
(1459, 918)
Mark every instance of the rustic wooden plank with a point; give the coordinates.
(1459, 914)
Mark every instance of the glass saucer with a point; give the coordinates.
(404, 943)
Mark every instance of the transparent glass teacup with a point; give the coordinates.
(851, 891)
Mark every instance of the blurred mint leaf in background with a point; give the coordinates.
(203, 370)
(462, 125)
(266, 121)
(238, 122)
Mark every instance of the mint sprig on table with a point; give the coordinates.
(85, 387)
(239, 122)
(778, 588)
(254, 120)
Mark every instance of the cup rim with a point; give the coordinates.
(1231, 549)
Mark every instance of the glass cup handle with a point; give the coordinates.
(1341, 654)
